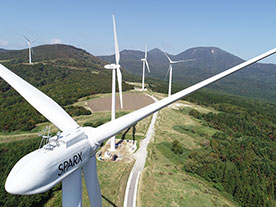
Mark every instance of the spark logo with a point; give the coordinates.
(67, 164)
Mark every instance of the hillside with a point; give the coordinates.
(58, 54)
(72, 74)
(256, 81)
(228, 144)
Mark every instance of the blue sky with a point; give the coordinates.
(244, 28)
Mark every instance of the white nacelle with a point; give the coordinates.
(42, 169)
(111, 66)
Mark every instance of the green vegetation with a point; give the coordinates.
(64, 85)
(239, 156)
(59, 54)
(164, 182)
(104, 119)
(241, 160)
(230, 148)
(177, 148)
(9, 155)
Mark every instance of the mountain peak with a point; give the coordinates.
(155, 50)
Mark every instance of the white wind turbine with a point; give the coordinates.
(69, 153)
(30, 48)
(115, 68)
(170, 70)
(145, 62)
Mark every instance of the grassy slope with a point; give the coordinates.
(163, 182)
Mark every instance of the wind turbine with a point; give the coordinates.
(115, 68)
(145, 62)
(73, 150)
(30, 48)
(170, 69)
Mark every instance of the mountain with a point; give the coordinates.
(55, 53)
(3, 50)
(256, 81)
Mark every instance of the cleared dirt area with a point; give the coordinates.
(131, 101)
(124, 151)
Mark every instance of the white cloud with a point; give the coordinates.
(55, 41)
(3, 43)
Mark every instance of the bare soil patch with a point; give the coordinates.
(123, 153)
(131, 101)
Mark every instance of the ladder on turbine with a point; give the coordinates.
(45, 136)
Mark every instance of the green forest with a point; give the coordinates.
(64, 85)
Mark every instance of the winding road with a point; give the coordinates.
(140, 156)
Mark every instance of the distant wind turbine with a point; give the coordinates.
(115, 68)
(170, 69)
(145, 62)
(30, 48)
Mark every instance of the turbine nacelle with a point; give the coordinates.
(42, 169)
(112, 66)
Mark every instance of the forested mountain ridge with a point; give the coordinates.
(2, 50)
(257, 80)
(59, 54)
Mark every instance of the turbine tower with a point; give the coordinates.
(170, 69)
(145, 62)
(115, 68)
(30, 48)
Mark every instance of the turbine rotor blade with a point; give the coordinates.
(182, 61)
(146, 51)
(41, 102)
(72, 189)
(147, 65)
(92, 182)
(166, 54)
(119, 77)
(168, 57)
(26, 38)
(117, 53)
(167, 72)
